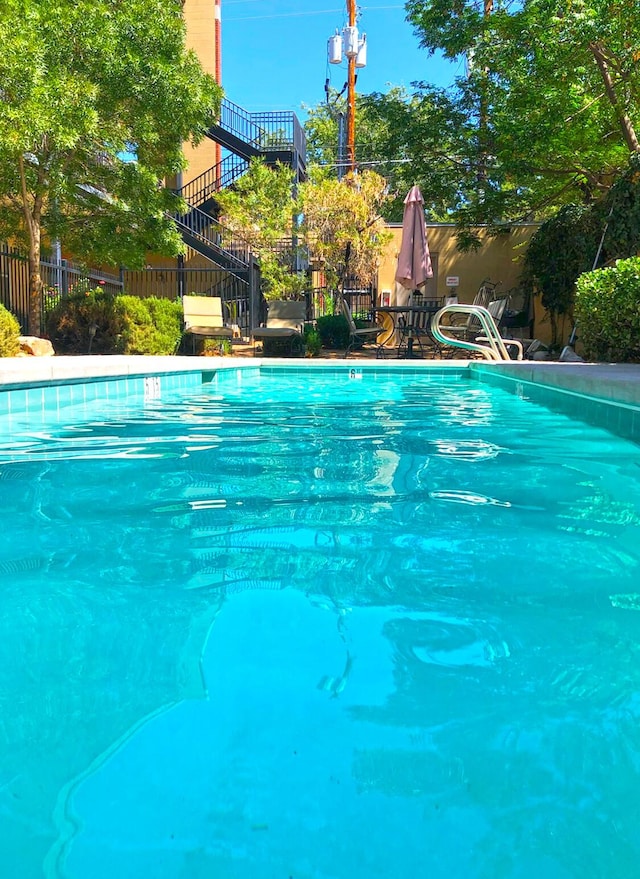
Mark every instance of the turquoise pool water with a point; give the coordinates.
(353, 628)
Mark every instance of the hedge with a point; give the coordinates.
(9, 333)
(121, 324)
(608, 312)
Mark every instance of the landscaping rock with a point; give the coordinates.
(32, 346)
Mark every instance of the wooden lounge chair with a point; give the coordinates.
(203, 317)
(285, 321)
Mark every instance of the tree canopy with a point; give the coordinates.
(338, 222)
(342, 224)
(545, 114)
(554, 89)
(403, 137)
(260, 210)
(82, 82)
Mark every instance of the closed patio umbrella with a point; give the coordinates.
(414, 261)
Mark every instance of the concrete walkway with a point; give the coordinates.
(617, 382)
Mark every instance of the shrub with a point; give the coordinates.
(562, 248)
(567, 245)
(608, 312)
(9, 333)
(312, 342)
(333, 330)
(150, 326)
(123, 324)
(166, 315)
(70, 322)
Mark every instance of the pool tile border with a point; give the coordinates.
(54, 396)
(618, 417)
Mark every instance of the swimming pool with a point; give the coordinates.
(368, 625)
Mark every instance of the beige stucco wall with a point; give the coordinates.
(499, 259)
(199, 17)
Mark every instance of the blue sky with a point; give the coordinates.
(274, 52)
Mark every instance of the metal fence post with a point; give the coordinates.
(255, 316)
(180, 273)
(64, 276)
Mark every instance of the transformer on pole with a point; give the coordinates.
(354, 47)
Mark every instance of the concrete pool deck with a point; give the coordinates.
(618, 383)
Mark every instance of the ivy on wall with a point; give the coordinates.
(567, 245)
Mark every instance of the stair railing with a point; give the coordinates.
(215, 236)
(237, 121)
(203, 187)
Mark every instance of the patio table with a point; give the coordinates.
(411, 322)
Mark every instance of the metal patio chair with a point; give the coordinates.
(415, 326)
(356, 333)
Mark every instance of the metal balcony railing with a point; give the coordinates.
(281, 132)
(264, 131)
(238, 122)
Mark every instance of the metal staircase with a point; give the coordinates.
(277, 138)
(236, 131)
(200, 192)
(213, 240)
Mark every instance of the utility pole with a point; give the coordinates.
(351, 94)
(355, 49)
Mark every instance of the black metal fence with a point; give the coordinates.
(361, 301)
(236, 293)
(58, 279)
(240, 295)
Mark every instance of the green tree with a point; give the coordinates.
(260, 209)
(553, 89)
(545, 115)
(407, 138)
(580, 238)
(342, 224)
(82, 82)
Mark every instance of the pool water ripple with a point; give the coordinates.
(347, 629)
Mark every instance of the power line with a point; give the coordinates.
(283, 15)
(299, 14)
(361, 163)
